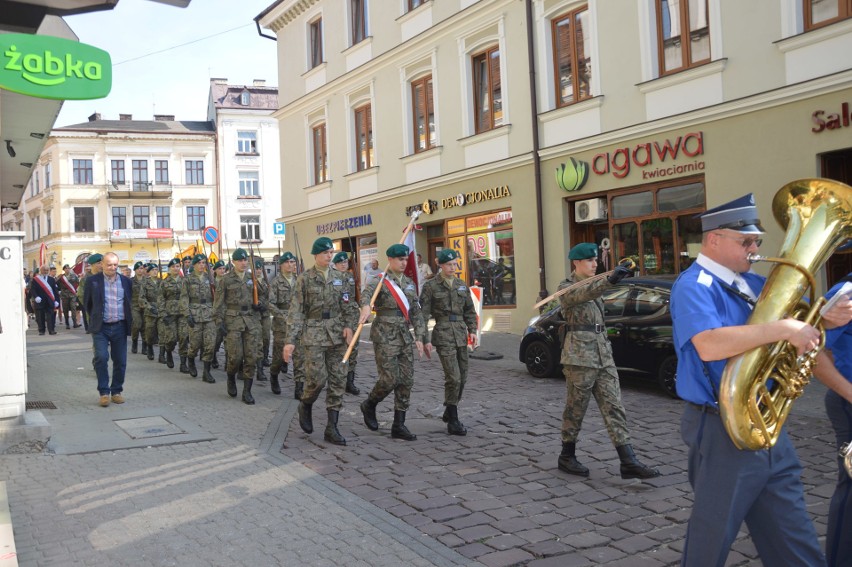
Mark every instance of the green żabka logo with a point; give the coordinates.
(573, 175)
(52, 67)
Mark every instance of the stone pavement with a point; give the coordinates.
(183, 475)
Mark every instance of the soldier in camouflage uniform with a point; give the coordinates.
(341, 264)
(447, 299)
(137, 328)
(68, 283)
(148, 297)
(182, 323)
(392, 341)
(235, 308)
(186, 265)
(280, 292)
(197, 306)
(322, 314)
(264, 318)
(168, 306)
(218, 272)
(588, 365)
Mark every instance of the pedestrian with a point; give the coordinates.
(107, 301)
(322, 315)
(168, 309)
(424, 272)
(341, 264)
(234, 307)
(126, 272)
(197, 307)
(447, 299)
(280, 293)
(588, 365)
(397, 307)
(711, 302)
(68, 283)
(186, 265)
(57, 311)
(219, 270)
(371, 273)
(148, 299)
(44, 295)
(138, 328)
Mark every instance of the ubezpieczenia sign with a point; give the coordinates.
(51, 67)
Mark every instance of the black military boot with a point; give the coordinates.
(247, 397)
(454, 426)
(332, 435)
(144, 347)
(215, 362)
(630, 465)
(297, 391)
(368, 408)
(206, 376)
(275, 386)
(568, 461)
(398, 429)
(351, 388)
(283, 368)
(150, 352)
(266, 362)
(232, 385)
(305, 421)
(184, 369)
(162, 357)
(261, 377)
(134, 346)
(190, 366)
(170, 360)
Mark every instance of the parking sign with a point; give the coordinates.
(279, 230)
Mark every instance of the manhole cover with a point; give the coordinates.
(145, 427)
(40, 405)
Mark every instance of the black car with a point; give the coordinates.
(639, 326)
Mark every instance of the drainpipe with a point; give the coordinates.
(218, 188)
(542, 272)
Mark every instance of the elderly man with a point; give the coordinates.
(44, 295)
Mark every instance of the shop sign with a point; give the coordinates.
(53, 67)
(831, 121)
(344, 224)
(463, 199)
(141, 233)
(492, 220)
(455, 226)
(428, 207)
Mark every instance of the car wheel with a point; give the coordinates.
(667, 375)
(539, 359)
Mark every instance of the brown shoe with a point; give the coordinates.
(117, 399)
(104, 401)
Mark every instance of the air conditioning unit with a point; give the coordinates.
(590, 210)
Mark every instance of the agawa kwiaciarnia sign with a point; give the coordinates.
(52, 67)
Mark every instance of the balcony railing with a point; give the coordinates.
(139, 190)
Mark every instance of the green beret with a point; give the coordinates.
(239, 254)
(583, 251)
(218, 264)
(65, 266)
(447, 255)
(185, 258)
(138, 265)
(321, 244)
(198, 258)
(398, 251)
(94, 258)
(174, 262)
(286, 257)
(258, 263)
(150, 267)
(340, 257)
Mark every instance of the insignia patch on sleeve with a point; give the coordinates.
(705, 279)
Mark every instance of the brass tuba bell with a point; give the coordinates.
(759, 386)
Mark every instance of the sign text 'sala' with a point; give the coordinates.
(54, 68)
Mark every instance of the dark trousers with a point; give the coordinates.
(111, 340)
(838, 541)
(45, 318)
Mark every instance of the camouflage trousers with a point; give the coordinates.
(69, 307)
(241, 352)
(299, 364)
(266, 332)
(322, 366)
(137, 325)
(352, 363)
(278, 360)
(168, 332)
(202, 337)
(582, 383)
(454, 361)
(151, 334)
(395, 365)
(183, 336)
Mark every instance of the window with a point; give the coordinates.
(195, 218)
(246, 142)
(487, 94)
(423, 109)
(412, 4)
(140, 174)
(250, 227)
(195, 172)
(316, 42)
(161, 172)
(249, 184)
(49, 223)
(245, 98)
(36, 185)
(676, 18)
(572, 57)
(358, 13)
(164, 217)
(141, 216)
(819, 13)
(117, 168)
(363, 137)
(35, 227)
(119, 217)
(320, 156)
(84, 219)
(82, 170)
(47, 169)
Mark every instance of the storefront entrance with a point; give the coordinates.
(838, 166)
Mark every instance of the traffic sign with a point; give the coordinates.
(211, 234)
(279, 230)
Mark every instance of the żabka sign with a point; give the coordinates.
(652, 153)
(51, 67)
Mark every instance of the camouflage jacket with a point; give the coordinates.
(168, 302)
(390, 327)
(233, 303)
(148, 294)
(81, 287)
(320, 309)
(64, 292)
(445, 302)
(196, 297)
(137, 283)
(280, 294)
(262, 296)
(583, 307)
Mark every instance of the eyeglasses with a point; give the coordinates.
(744, 242)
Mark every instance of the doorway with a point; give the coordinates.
(838, 166)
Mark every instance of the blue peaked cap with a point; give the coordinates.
(739, 214)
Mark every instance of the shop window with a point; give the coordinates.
(423, 108)
(683, 34)
(119, 217)
(82, 171)
(364, 158)
(487, 90)
(572, 56)
(820, 13)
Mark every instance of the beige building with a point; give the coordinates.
(640, 115)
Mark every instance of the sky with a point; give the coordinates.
(154, 72)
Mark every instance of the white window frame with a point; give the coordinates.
(249, 186)
(251, 142)
(248, 224)
(467, 49)
(408, 73)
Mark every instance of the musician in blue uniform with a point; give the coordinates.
(711, 302)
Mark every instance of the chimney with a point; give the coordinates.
(95, 116)
(125, 117)
(258, 83)
(164, 117)
(218, 81)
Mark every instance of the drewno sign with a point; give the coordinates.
(52, 67)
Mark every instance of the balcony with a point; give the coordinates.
(139, 190)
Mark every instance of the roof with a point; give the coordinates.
(154, 126)
(228, 96)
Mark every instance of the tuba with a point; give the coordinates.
(846, 456)
(759, 386)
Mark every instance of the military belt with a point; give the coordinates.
(236, 312)
(451, 318)
(202, 301)
(596, 328)
(281, 305)
(323, 315)
(390, 313)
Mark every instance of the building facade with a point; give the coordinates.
(640, 116)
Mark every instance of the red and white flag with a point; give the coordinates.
(42, 254)
(411, 268)
(398, 296)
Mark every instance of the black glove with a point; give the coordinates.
(259, 308)
(618, 274)
(154, 311)
(191, 321)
